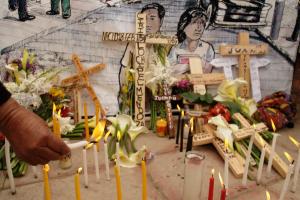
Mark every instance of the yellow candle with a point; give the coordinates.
(47, 193)
(144, 180)
(77, 184)
(86, 123)
(97, 113)
(118, 182)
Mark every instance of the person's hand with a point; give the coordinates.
(29, 135)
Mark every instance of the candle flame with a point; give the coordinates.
(221, 180)
(212, 172)
(178, 108)
(119, 135)
(106, 136)
(89, 145)
(79, 170)
(294, 141)
(288, 156)
(268, 195)
(46, 168)
(182, 113)
(273, 126)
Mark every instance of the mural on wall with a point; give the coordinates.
(201, 26)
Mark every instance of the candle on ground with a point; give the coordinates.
(96, 160)
(226, 166)
(86, 122)
(118, 182)
(297, 166)
(211, 186)
(223, 191)
(106, 156)
(178, 124)
(181, 130)
(77, 183)
(272, 153)
(288, 176)
(47, 193)
(245, 175)
(261, 164)
(144, 180)
(8, 166)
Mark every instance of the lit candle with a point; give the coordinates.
(288, 176)
(96, 160)
(178, 124)
(106, 156)
(8, 166)
(144, 180)
(118, 182)
(226, 166)
(261, 164)
(223, 191)
(272, 153)
(47, 193)
(85, 169)
(268, 197)
(211, 186)
(181, 130)
(86, 122)
(77, 184)
(118, 149)
(245, 175)
(297, 167)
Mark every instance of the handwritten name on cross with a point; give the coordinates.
(82, 75)
(141, 39)
(244, 49)
(167, 97)
(279, 165)
(255, 63)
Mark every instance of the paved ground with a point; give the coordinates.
(165, 176)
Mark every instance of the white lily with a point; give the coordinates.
(132, 160)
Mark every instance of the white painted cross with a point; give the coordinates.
(255, 63)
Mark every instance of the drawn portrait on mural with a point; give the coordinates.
(190, 29)
(155, 14)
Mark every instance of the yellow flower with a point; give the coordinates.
(57, 92)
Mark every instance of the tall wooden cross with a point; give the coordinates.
(82, 77)
(140, 38)
(167, 97)
(244, 50)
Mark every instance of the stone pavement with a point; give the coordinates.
(165, 176)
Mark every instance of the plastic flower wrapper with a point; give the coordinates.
(228, 94)
(128, 133)
(224, 130)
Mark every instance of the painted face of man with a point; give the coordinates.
(153, 21)
(195, 29)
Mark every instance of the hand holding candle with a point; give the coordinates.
(77, 183)
(211, 186)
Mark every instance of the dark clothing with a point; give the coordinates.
(4, 94)
(65, 6)
(21, 5)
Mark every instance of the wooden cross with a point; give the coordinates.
(167, 97)
(82, 76)
(279, 165)
(244, 49)
(140, 38)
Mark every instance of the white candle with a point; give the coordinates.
(34, 170)
(9, 169)
(77, 145)
(261, 164)
(287, 178)
(245, 175)
(272, 154)
(85, 172)
(96, 160)
(296, 175)
(106, 161)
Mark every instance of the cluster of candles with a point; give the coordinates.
(212, 185)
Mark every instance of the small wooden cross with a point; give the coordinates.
(82, 76)
(140, 38)
(167, 97)
(279, 165)
(244, 49)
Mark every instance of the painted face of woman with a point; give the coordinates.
(153, 21)
(195, 29)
